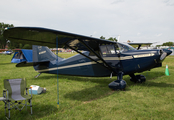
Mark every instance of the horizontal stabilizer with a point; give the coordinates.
(140, 44)
(27, 64)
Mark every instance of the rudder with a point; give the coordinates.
(42, 54)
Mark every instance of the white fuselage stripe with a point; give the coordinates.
(67, 66)
(90, 63)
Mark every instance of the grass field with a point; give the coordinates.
(84, 98)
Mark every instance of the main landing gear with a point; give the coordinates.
(137, 78)
(118, 84)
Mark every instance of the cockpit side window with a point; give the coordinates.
(124, 48)
(107, 50)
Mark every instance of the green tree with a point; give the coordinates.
(168, 44)
(112, 39)
(3, 41)
(102, 37)
(158, 45)
(27, 46)
(11, 44)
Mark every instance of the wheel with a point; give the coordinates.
(138, 79)
(117, 85)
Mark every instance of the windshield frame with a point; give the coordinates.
(125, 47)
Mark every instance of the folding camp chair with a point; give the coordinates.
(13, 95)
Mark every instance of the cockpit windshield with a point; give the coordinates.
(110, 50)
(125, 47)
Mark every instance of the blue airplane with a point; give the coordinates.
(96, 58)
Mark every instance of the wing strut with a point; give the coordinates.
(89, 48)
(138, 47)
(87, 56)
(109, 68)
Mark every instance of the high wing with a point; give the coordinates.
(49, 37)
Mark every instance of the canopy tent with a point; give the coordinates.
(22, 55)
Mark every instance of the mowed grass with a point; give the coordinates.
(90, 98)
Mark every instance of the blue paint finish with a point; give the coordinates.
(131, 65)
(128, 62)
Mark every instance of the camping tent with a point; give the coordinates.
(22, 55)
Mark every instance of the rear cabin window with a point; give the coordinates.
(107, 50)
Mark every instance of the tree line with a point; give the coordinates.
(111, 38)
(166, 44)
(12, 45)
(3, 41)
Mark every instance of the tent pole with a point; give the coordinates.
(57, 73)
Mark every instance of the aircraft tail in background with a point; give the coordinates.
(41, 54)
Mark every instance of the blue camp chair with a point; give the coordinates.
(13, 95)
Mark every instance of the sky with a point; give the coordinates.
(134, 20)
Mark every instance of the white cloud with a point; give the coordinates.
(138, 34)
(97, 18)
(117, 1)
(158, 35)
(169, 2)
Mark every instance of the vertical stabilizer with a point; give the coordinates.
(42, 54)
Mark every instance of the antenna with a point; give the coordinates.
(118, 38)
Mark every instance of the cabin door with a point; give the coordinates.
(110, 54)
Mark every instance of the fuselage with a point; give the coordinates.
(126, 59)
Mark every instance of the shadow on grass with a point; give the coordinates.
(39, 111)
(98, 91)
(89, 94)
(7, 63)
(101, 90)
(99, 80)
(151, 80)
(161, 85)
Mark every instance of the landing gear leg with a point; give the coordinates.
(118, 84)
(137, 78)
(37, 75)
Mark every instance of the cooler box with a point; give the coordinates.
(35, 89)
